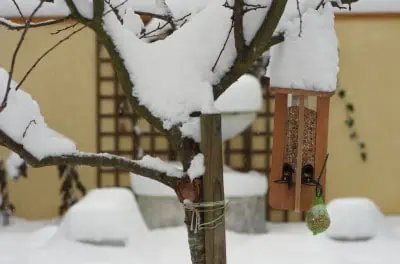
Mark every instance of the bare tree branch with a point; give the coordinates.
(33, 121)
(58, 31)
(238, 24)
(115, 10)
(320, 4)
(223, 47)
(300, 17)
(89, 159)
(46, 53)
(250, 7)
(14, 57)
(261, 42)
(19, 11)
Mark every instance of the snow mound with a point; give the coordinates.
(353, 219)
(106, 215)
(22, 121)
(236, 184)
(308, 58)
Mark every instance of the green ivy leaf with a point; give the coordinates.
(350, 107)
(349, 122)
(363, 156)
(342, 93)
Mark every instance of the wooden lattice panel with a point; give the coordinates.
(249, 151)
(114, 129)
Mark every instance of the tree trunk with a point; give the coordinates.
(213, 188)
(196, 241)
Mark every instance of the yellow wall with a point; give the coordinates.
(370, 72)
(64, 86)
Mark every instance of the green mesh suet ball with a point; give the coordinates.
(317, 218)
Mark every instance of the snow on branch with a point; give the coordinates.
(166, 175)
(15, 166)
(16, 26)
(17, 49)
(24, 131)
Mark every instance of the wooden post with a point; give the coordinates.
(280, 197)
(321, 143)
(299, 164)
(213, 186)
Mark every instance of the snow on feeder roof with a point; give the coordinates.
(244, 95)
(308, 58)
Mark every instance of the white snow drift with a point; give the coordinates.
(354, 219)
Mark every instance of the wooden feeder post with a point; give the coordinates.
(213, 187)
(300, 142)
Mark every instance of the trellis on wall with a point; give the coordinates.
(120, 132)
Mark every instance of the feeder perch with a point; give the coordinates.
(299, 148)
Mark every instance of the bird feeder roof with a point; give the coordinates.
(308, 57)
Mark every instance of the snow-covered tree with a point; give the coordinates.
(171, 71)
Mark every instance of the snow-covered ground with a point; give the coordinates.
(39, 243)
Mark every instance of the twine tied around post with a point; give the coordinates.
(198, 208)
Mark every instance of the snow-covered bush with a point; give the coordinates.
(353, 219)
(108, 215)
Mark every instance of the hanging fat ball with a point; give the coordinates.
(133, 22)
(317, 218)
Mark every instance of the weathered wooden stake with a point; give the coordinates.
(300, 139)
(213, 186)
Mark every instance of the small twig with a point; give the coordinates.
(159, 27)
(64, 29)
(301, 17)
(28, 126)
(323, 167)
(223, 48)
(252, 7)
(115, 10)
(46, 53)
(14, 57)
(19, 11)
(148, 34)
(166, 18)
(51, 49)
(320, 5)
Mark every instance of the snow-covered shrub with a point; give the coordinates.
(108, 215)
(353, 219)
